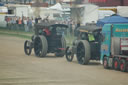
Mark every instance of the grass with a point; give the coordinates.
(27, 35)
(16, 33)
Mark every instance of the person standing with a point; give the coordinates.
(20, 23)
(17, 27)
(36, 20)
(14, 23)
(9, 22)
(25, 24)
(29, 24)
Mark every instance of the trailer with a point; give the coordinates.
(114, 47)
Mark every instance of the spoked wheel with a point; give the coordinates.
(116, 64)
(40, 46)
(83, 52)
(69, 54)
(105, 63)
(27, 47)
(123, 65)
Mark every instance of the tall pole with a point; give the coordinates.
(6, 1)
(70, 2)
(122, 2)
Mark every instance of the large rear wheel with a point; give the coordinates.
(40, 46)
(83, 52)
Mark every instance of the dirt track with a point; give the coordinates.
(18, 69)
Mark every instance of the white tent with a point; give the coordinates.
(87, 13)
(56, 7)
(122, 11)
(3, 10)
(105, 13)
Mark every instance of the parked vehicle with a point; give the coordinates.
(114, 48)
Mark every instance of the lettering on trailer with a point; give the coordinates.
(124, 44)
(122, 30)
(104, 47)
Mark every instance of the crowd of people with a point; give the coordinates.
(27, 23)
(20, 23)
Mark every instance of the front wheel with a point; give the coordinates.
(27, 47)
(69, 54)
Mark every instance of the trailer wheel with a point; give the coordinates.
(69, 54)
(40, 46)
(105, 63)
(127, 66)
(123, 65)
(116, 64)
(27, 47)
(83, 52)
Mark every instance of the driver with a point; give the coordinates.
(47, 32)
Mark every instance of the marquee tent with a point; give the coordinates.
(115, 19)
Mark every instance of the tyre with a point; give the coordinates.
(123, 65)
(27, 47)
(63, 45)
(83, 52)
(116, 64)
(127, 65)
(105, 63)
(40, 46)
(69, 54)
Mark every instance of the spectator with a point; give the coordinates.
(14, 22)
(36, 20)
(20, 23)
(17, 27)
(25, 25)
(29, 24)
(9, 21)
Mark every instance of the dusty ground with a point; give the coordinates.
(18, 69)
